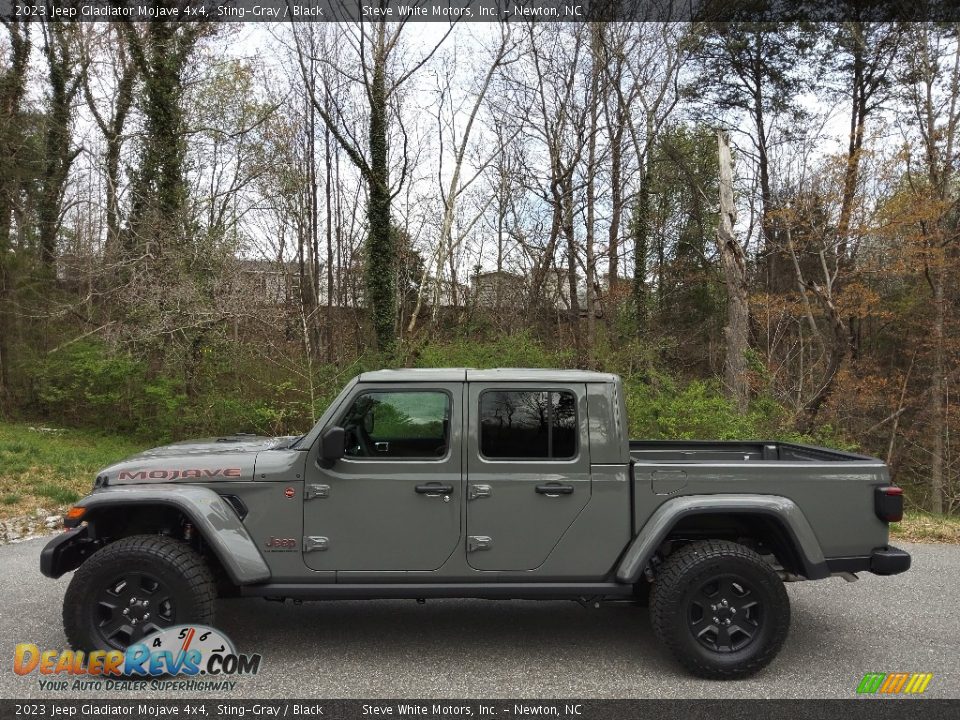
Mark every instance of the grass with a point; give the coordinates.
(924, 527)
(50, 468)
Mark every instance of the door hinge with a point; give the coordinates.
(478, 542)
(313, 543)
(316, 491)
(478, 491)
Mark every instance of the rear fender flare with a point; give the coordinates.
(211, 515)
(786, 512)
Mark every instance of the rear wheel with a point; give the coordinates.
(720, 608)
(133, 587)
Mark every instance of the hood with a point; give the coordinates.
(209, 460)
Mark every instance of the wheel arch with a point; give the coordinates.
(133, 511)
(776, 520)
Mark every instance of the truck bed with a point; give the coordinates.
(711, 451)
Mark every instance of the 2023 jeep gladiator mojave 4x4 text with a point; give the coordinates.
(480, 484)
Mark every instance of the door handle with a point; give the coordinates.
(434, 489)
(554, 490)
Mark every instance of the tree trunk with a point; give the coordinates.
(640, 229)
(381, 254)
(309, 261)
(938, 405)
(63, 77)
(159, 202)
(328, 191)
(837, 351)
(616, 209)
(568, 232)
(591, 261)
(733, 265)
(769, 251)
(12, 88)
(112, 129)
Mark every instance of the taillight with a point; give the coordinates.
(888, 503)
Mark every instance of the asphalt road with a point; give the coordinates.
(484, 649)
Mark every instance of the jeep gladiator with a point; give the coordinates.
(505, 483)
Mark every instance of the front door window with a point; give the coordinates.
(397, 425)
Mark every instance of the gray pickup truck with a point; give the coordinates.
(503, 483)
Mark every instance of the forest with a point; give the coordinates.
(209, 228)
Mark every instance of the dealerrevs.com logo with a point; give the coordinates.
(172, 659)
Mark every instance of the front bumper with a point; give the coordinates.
(65, 552)
(882, 561)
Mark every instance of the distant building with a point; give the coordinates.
(269, 283)
(72, 268)
(496, 289)
(505, 289)
(556, 289)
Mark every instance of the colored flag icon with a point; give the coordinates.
(894, 683)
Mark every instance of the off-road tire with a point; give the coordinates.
(677, 604)
(173, 565)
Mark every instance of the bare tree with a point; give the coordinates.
(557, 123)
(13, 81)
(117, 79)
(457, 186)
(932, 88)
(596, 93)
(158, 218)
(733, 265)
(646, 84)
(752, 72)
(381, 74)
(65, 73)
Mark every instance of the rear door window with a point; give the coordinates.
(528, 424)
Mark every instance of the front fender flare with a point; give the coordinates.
(663, 520)
(210, 514)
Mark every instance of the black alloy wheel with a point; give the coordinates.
(725, 615)
(131, 606)
(720, 609)
(133, 587)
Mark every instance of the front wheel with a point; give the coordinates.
(720, 608)
(133, 587)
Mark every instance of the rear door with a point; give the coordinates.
(393, 502)
(528, 471)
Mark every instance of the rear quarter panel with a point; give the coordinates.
(836, 497)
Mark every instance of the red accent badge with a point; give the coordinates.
(289, 492)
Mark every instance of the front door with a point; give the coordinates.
(393, 502)
(528, 471)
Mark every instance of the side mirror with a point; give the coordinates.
(332, 445)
